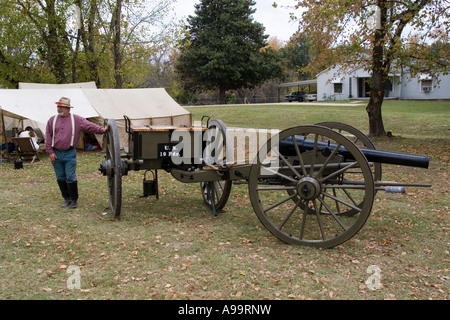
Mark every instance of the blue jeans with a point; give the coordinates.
(65, 165)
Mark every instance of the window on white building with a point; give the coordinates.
(426, 85)
(337, 87)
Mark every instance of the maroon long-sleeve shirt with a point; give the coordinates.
(63, 132)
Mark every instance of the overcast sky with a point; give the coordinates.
(276, 20)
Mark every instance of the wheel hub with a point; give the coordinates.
(308, 188)
(107, 168)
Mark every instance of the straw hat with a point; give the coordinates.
(64, 102)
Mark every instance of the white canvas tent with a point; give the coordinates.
(33, 104)
(33, 107)
(153, 107)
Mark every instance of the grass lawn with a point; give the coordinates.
(174, 248)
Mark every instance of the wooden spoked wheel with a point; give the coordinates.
(113, 166)
(361, 141)
(289, 187)
(216, 193)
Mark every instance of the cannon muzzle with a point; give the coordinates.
(380, 156)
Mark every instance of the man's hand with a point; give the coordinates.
(52, 157)
(105, 130)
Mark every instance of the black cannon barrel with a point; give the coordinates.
(380, 156)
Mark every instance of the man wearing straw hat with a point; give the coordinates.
(61, 138)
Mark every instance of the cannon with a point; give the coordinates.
(309, 185)
(287, 147)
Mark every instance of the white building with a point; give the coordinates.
(333, 84)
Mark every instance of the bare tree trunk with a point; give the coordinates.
(115, 26)
(377, 87)
(222, 92)
(75, 59)
(379, 75)
(376, 126)
(4, 62)
(54, 45)
(88, 40)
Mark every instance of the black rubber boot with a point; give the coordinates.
(66, 203)
(73, 191)
(64, 192)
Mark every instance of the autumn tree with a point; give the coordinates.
(110, 42)
(32, 31)
(372, 34)
(298, 56)
(19, 48)
(225, 48)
